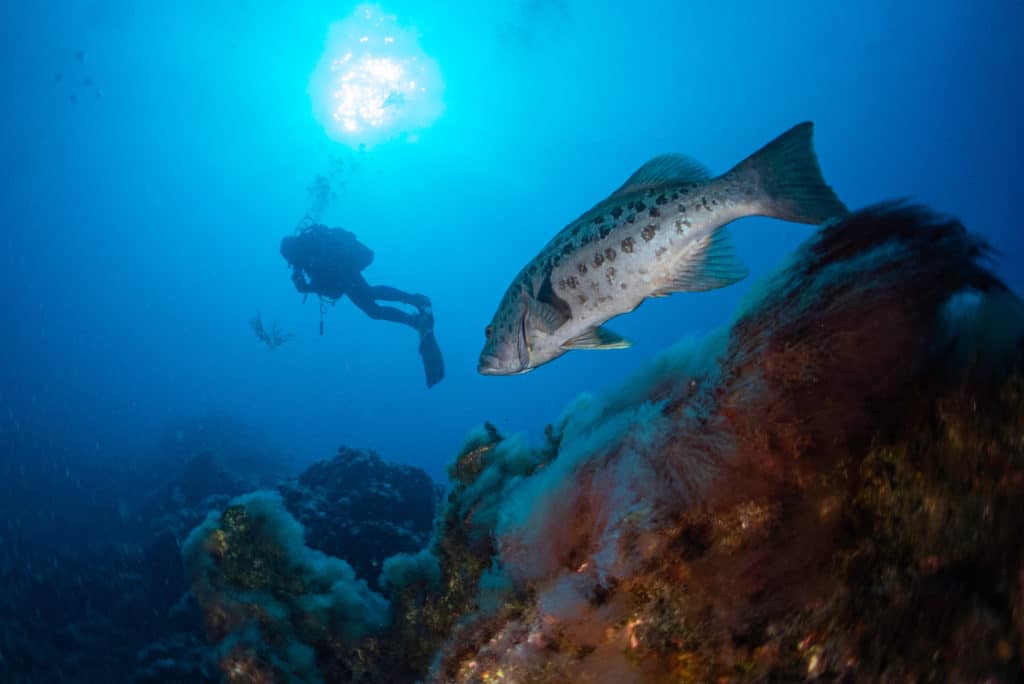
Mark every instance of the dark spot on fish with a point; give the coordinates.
(598, 221)
(609, 254)
(566, 248)
(587, 238)
(556, 260)
(631, 218)
(622, 285)
(661, 250)
(640, 206)
(661, 200)
(582, 268)
(598, 259)
(696, 207)
(627, 245)
(648, 232)
(610, 275)
(616, 212)
(561, 284)
(704, 201)
(675, 196)
(714, 201)
(603, 232)
(681, 225)
(682, 208)
(653, 212)
(573, 282)
(582, 298)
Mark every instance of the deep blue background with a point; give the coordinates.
(140, 229)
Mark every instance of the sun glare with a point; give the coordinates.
(373, 81)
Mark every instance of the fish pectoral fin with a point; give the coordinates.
(546, 317)
(597, 338)
(666, 168)
(713, 266)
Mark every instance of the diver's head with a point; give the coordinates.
(291, 249)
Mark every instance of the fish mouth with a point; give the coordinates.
(490, 365)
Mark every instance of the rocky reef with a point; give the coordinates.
(387, 508)
(830, 489)
(113, 601)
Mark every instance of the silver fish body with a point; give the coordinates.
(661, 232)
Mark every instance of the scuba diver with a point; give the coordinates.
(328, 262)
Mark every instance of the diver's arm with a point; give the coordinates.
(299, 278)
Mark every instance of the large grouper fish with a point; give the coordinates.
(663, 231)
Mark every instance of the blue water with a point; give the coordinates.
(141, 221)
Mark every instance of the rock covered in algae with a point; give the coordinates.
(272, 603)
(359, 507)
(279, 606)
(829, 490)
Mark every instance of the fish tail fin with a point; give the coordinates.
(788, 174)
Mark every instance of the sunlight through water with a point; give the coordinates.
(374, 82)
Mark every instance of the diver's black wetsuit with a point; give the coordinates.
(328, 262)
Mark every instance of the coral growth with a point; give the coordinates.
(359, 507)
(280, 603)
(827, 491)
(271, 601)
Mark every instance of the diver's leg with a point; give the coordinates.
(362, 295)
(393, 294)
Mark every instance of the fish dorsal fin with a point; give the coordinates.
(714, 264)
(665, 168)
(597, 338)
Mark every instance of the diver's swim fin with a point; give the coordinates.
(433, 364)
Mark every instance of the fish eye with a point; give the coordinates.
(488, 331)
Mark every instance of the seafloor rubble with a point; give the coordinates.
(830, 489)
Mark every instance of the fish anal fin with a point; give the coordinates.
(597, 338)
(714, 265)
